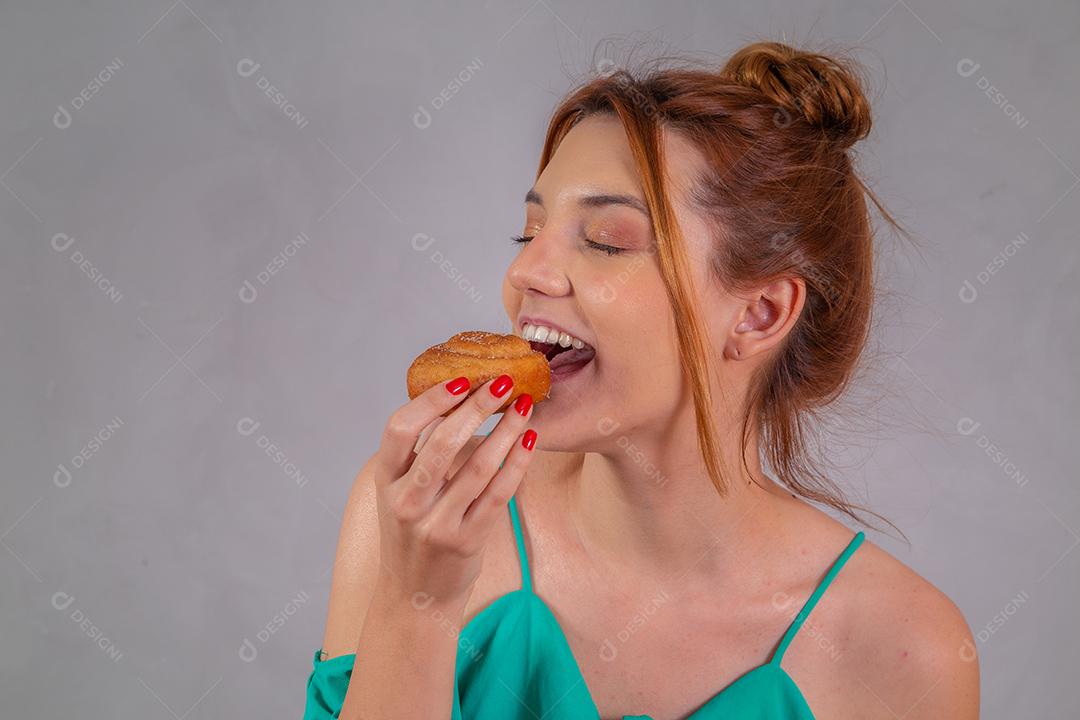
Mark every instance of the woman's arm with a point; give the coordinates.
(405, 650)
(944, 682)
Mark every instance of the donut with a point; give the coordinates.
(480, 356)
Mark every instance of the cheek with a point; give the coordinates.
(631, 310)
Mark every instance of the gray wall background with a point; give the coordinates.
(159, 559)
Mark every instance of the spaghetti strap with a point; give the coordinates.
(815, 596)
(523, 557)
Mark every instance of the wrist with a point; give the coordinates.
(395, 600)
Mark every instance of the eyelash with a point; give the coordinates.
(606, 249)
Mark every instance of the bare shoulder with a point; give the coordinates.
(906, 641)
(356, 561)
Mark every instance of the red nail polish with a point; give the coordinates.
(528, 439)
(458, 385)
(501, 385)
(523, 403)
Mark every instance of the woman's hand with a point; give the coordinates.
(433, 529)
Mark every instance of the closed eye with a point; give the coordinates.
(607, 249)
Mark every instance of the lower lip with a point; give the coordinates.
(561, 375)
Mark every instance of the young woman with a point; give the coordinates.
(618, 551)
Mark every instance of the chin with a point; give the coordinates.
(551, 437)
(568, 429)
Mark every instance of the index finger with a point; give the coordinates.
(406, 423)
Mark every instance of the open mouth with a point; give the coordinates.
(564, 360)
(564, 357)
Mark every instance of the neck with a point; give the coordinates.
(648, 508)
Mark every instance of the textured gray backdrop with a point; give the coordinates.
(227, 229)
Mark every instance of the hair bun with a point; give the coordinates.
(825, 92)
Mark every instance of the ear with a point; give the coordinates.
(766, 318)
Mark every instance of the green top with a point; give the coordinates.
(514, 663)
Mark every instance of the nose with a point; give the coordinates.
(540, 267)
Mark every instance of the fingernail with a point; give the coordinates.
(528, 439)
(458, 385)
(523, 403)
(501, 385)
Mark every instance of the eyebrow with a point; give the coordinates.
(599, 200)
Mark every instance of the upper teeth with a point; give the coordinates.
(541, 333)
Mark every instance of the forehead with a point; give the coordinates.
(595, 154)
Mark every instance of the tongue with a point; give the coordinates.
(573, 356)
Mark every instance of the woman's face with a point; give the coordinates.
(617, 303)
